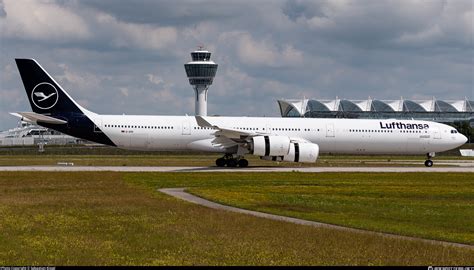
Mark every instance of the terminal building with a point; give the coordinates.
(445, 111)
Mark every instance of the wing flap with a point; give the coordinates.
(224, 142)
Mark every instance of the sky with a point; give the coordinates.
(127, 57)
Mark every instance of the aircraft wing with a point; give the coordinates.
(230, 133)
(237, 136)
(32, 117)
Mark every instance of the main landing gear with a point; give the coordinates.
(428, 161)
(229, 161)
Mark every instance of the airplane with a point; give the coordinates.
(270, 138)
(43, 96)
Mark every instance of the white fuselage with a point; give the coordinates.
(351, 136)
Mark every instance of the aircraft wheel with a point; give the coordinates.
(231, 163)
(428, 163)
(220, 162)
(243, 163)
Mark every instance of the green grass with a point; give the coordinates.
(108, 218)
(111, 156)
(108, 160)
(428, 205)
(205, 160)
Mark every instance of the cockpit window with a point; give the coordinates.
(453, 131)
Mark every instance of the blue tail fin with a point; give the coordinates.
(46, 96)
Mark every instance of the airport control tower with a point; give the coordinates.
(201, 72)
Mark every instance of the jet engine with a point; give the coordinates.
(270, 145)
(302, 152)
(279, 148)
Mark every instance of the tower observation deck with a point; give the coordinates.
(201, 72)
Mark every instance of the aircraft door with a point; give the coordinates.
(268, 129)
(330, 130)
(186, 128)
(436, 134)
(424, 141)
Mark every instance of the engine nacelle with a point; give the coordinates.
(270, 145)
(302, 152)
(274, 158)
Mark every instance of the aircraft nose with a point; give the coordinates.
(463, 139)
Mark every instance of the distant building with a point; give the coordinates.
(201, 72)
(446, 111)
(28, 134)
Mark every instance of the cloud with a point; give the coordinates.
(41, 20)
(48, 21)
(131, 53)
(8, 73)
(3, 13)
(381, 23)
(201, 32)
(132, 35)
(79, 80)
(154, 79)
(262, 52)
(124, 91)
(171, 13)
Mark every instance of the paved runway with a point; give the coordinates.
(181, 194)
(249, 169)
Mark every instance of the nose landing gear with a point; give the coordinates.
(428, 161)
(229, 161)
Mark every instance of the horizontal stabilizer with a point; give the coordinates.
(36, 117)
